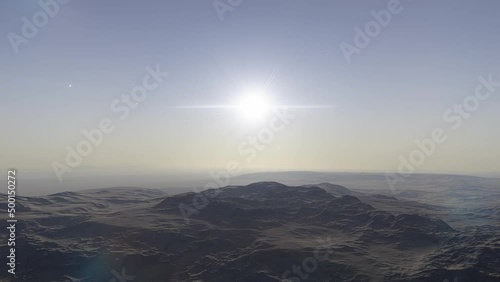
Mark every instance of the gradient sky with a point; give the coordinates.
(395, 91)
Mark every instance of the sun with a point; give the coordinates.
(254, 107)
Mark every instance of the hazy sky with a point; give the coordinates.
(429, 57)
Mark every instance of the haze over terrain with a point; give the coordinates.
(250, 140)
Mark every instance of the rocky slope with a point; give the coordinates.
(264, 231)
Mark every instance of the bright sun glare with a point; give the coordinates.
(254, 107)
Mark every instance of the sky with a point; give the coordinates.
(361, 112)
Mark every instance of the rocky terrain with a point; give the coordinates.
(265, 231)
